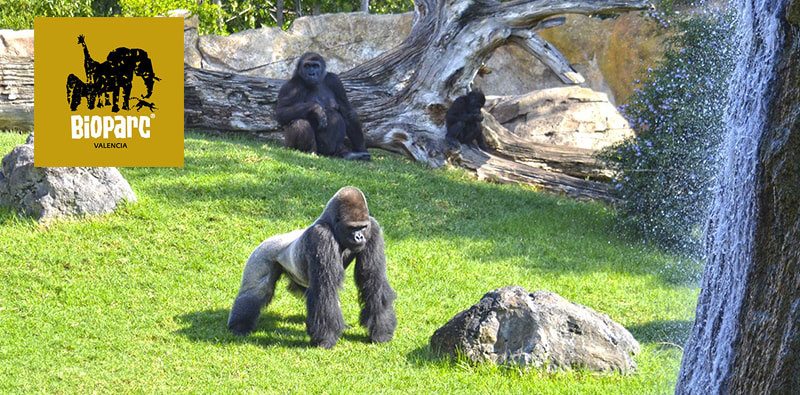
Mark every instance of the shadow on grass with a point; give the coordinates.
(272, 329)
(673, 333)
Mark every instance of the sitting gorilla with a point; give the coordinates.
(315, 113)
(315, 259)
(464, 118)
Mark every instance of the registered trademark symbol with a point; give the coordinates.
(152, 116)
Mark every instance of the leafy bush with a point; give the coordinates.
(211, 16)
(664, 173)
(19, 14)
(229, 16)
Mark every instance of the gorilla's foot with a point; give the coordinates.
(380, 337)
(365, 156)
(240, 329)
(327, 343)
(244, 314)
(452, 145)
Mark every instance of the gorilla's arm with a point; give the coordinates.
(325, 322)
(292, 105)
(375, 293)
(354, 132)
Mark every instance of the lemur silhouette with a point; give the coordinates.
(141, 104)
(110, 76)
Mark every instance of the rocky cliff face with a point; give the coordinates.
(610, 53)
(345, 40)
(766, 358)
(746, 336)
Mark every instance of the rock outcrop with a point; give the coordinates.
(52, 192)
(345, 40)
(569, 116)
(540, 329)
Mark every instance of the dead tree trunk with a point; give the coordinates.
(402, 95)
(16, 93)
(279, 14)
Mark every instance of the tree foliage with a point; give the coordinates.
(217, 17)
(19, 14)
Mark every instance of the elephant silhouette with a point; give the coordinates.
(111, 76)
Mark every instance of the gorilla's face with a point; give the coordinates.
(353, 234)
(311, 69)
(476, 99)
(351, 223)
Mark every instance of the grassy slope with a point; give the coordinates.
(138, 300)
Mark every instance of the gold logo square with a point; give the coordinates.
(108, 92)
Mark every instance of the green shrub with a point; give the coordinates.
(664, 174)
(19, 14)
(229, 16)
(211, 16)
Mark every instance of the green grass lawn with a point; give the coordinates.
(137, 301)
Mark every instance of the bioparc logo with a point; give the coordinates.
(108, 92)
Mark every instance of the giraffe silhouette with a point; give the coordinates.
(111, 76)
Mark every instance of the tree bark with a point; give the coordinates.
(279, 14)
(16, 93)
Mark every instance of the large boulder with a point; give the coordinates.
(51, 192)
(540, 329)
(570, 116)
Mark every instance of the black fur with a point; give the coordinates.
(375, 294)
(318, 99)
(317, 257)
(464, 119)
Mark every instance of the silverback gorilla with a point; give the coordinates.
(315, 113)
(315, 259)
(464, 118)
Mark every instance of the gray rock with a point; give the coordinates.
(16, 43)
(540, 329)
(191, 54)
(345, 40)
(570, 116)
(52, 192)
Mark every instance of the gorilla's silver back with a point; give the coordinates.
(290, 258)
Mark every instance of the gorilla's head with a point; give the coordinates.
(476, 99)
(311, 68)
(348, 215)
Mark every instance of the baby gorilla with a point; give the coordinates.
(464, 118)
(315, 259)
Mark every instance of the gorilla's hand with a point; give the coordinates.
(318, 113)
